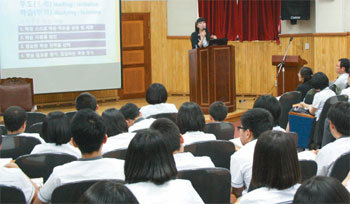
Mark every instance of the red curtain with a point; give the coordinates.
(244, 19)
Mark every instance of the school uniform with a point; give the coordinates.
(120, 141)
(320, 99)
(186, 160)
(154, 109)
(191, 137)
(53, 148)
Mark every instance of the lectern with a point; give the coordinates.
(212, 76)
(292, 66)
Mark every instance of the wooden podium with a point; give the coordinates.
(292, 67)
(212, 76)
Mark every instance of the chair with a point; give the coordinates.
(302, 124)
(70, 115)
(212, 184)
(170, 116)
(309, 97)
(36, 128)
(287, 100)
(16, 92)
(15, 146)
(71, 192)
(117, 154)
(10, 194)
(34, 117)
(333, 87)
(41, 165)
(341, 167)
(219, 151)
(308, 169)
(222, 130)
(3, 130)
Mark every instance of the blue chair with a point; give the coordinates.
(302, 124)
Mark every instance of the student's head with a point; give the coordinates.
(342, 66)
(114, 121)
(86, 100)
(156, 93)
(321, 189)
(339, 117)
(15, 118)
(130, 112)
(305, 74)
(169, 131)
(319, 81)
(200, 24)
(275, 163)
(88, 130)
(254, 122)
(190, 118)
(218, 111)
(149, 158)
(56, 128)
(108, 192)
(271, 104)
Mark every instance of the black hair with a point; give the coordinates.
(306, 73)
(156, 93)
(56, 128)
(130, 111)
(339, 114)
(257, 120)
(108, 192)
(148, 158)
(88, 130)
(190, 118)
(277, 151)
(218, 111)
(200, 19)
(271, 104)
(344, 62)
(170, 132)
(86, 100)
(114, 121)
(14, 118)
(321, 189)
(319, 81)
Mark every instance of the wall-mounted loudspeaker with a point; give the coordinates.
(295, 10)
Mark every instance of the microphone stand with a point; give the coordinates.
(281, 66)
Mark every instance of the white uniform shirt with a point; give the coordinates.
(241, 166)
(25, 134)
(272, 195)
(320, 99)
(53, 148)
(157, 109)
(93, 169)
(143, 124)
(15, 177)
(186, 160)
(120, 141)
(174, 191)
(328, 154)
(237, 142)
(346, 92)
(342, 81)
(278, 128)
(197, 136)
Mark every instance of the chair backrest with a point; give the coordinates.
(303, 125)
(341, 167)
(34, 117)
(170, 116)
(15, 146)
(287, 100)
(309, 97)
(308, 169)
(212, 184)
(41, 165)
(333, 87)
(16, 92)
(36, 128)
(117, 154)
(3, 130)
(219, 151)
(222, 130)
(70, 115)
(10, 194)
(71, 192)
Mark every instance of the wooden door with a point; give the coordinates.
(136, 55)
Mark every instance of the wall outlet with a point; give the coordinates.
(307, 46)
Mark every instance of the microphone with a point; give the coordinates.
(290, 39)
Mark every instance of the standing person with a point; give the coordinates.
(201, 36)
(304, 76)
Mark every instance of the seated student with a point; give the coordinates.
(271, 104)
(15, 120)
(279, 182)
(57, 134)
(171, 134)
(254, 122)
(86, 100)
(304, 76)
(89, 135)
(108, 192)
(134, 118)
(150, 172)
(342, 68)
(11, 175)
(217, 111)
(191, 122)
(347, 90)
(321, 189)
(156, 97)
(117, 130)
